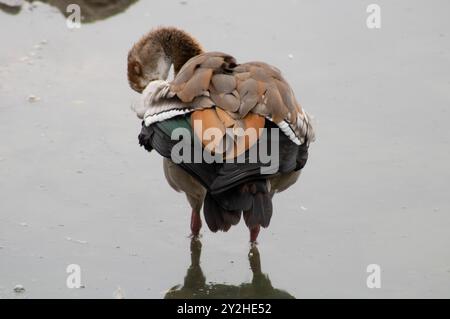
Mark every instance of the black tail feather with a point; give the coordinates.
(262, 210)
(224, 210)
(218, 218)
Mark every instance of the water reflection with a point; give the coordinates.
(91, 10)
(195, 285)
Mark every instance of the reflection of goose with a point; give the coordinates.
(195, 285)
(211, 92)
(91, 10)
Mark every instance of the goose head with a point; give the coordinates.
(152, 56)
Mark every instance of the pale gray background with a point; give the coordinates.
(376, 188)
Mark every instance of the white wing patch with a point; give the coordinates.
(289, 132)
(151, 117)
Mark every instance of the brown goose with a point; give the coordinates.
(210, 90)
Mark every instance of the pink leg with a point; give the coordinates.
(196, 223)
(254, 231)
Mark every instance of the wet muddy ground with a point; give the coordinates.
(75, 188)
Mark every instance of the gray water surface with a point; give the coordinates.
(75, 187)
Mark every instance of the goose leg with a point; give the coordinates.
(254, 231)
(181, 181)
(196, 223)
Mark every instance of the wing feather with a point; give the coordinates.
(214, 79)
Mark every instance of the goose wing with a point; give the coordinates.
(236, 92)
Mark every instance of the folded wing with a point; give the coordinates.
(215, 80)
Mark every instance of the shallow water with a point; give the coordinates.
(77, 189)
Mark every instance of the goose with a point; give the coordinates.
(212, 91)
